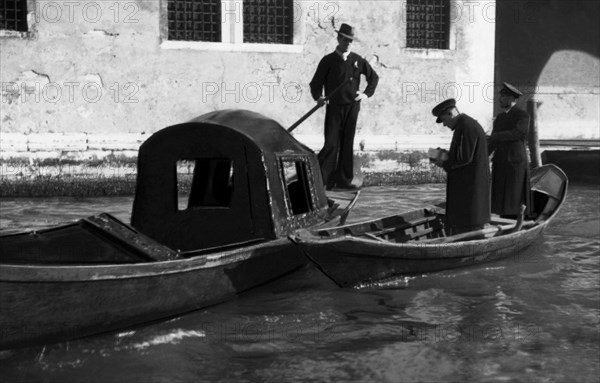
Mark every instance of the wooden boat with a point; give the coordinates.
(252, 185)
(415, 242)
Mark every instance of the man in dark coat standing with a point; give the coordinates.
(510, 164)
(341, 68)
(468, 170)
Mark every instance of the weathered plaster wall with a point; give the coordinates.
(551, 50)
(98, 67)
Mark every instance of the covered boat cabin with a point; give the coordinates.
(226, 177)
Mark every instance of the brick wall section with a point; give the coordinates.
(69, 146)
(91, 155)
(85, 146)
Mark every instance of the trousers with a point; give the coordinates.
(336, 156)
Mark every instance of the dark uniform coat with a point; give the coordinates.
(510, 164)
(336, 156)
(468, 188)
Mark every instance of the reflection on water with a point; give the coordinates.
(20, 214)
(533, 317)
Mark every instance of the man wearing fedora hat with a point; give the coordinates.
(468, 170)
(510, 164)
(341, 71)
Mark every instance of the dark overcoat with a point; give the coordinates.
(510, 164)
(468, 188)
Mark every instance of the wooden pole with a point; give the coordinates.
(314, 108)
(533, 140)
(306, 115)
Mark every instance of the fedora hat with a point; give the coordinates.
(347, 31)
(511, 90)
(443, 106)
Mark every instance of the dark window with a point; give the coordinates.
(428, 24)
(13, 15)
(205, 182)
(295, 176)
(194, 20)
(268, 21)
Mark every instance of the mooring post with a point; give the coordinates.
(533, 137)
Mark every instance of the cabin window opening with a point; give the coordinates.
(204, 182)
(297, 187)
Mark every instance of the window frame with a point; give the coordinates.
(232, 33)
(430, 53)
(308, 184)
(30, 5)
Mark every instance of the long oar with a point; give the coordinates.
(307, 114)
(341, 213)
(344, 215)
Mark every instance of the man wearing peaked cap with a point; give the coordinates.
(442, 107)
(468, 170)
(511, 90)
(341, 68)
(510, 164)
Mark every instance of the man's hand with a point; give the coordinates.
(442, 156)
(360, 96)
(322, 101)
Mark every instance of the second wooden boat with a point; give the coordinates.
(415, 242)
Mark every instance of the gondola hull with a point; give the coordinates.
(43, 304)
(251, 184)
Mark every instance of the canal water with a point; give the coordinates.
(533, 317)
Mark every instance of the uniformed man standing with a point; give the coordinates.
(510, 164)
(468, 170)
(341, 68)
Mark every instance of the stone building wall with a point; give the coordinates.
(98, 69)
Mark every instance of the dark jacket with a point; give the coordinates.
(333, 70)
(510, 164)
(468, 188)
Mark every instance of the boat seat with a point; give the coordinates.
(405, 238)
(378, 234)
(404, 226)
(505, 221)
(422, 233)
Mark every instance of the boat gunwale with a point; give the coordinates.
(315, 239)
(432, 208)
(417, 244)
(15, 273)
